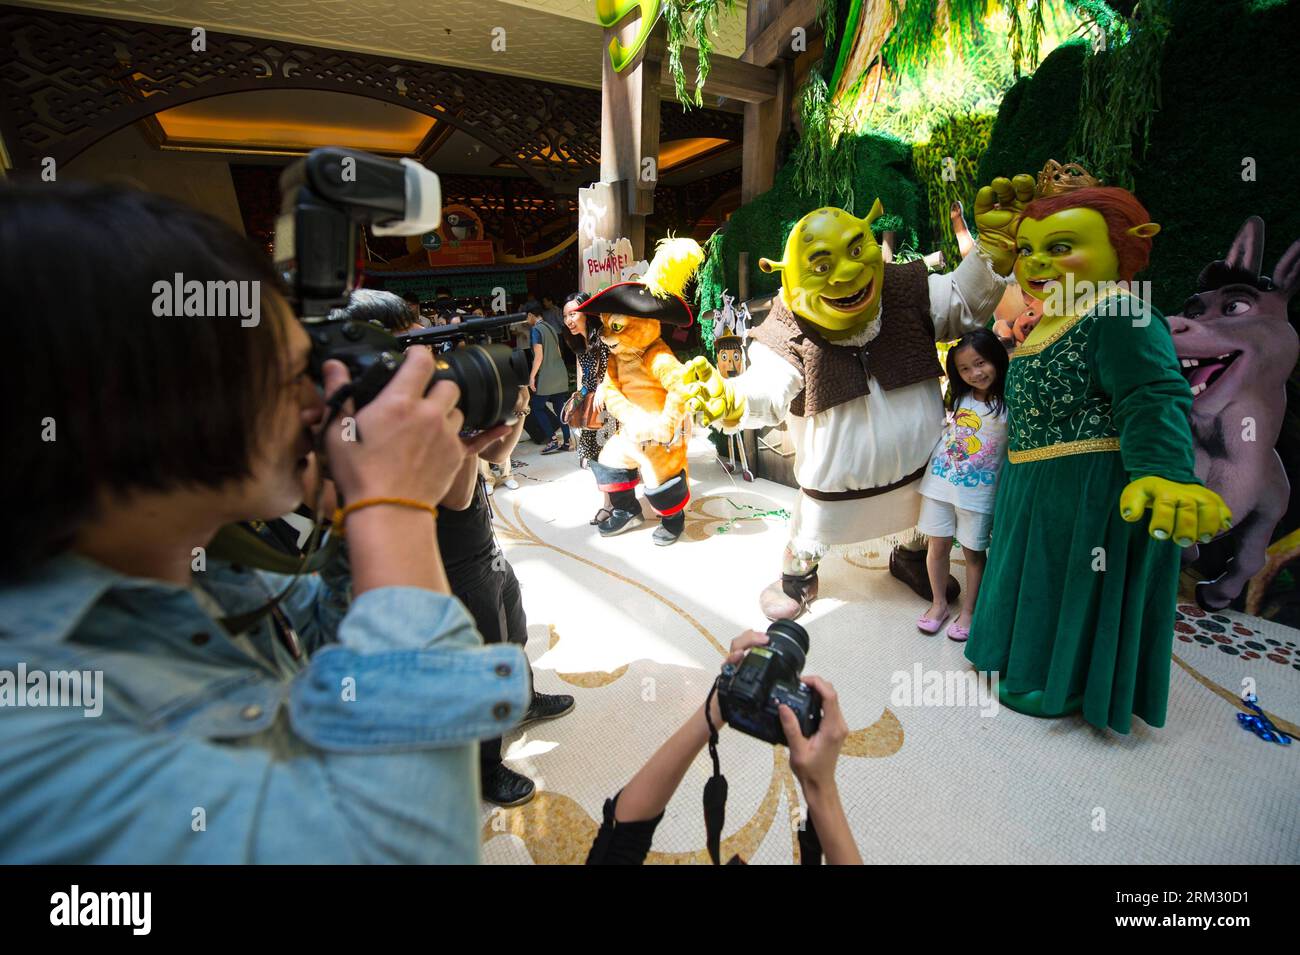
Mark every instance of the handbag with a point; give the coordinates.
(580, 412)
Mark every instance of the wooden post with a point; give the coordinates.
(764, 123)
(769, 43)
(629, 134)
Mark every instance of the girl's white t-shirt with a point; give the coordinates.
(965, 464)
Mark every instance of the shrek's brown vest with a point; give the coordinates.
(902, 354)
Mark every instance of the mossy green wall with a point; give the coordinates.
(1229, 90)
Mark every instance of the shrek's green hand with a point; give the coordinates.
(709, 395)
(997, 214)
(1186, 512)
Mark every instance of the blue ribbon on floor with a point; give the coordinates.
(1261, 725)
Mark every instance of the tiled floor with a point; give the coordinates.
(635, 633)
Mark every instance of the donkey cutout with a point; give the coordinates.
(1237, 350)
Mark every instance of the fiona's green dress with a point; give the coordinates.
(1075, 600)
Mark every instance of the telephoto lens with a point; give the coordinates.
(489, 376)
(750, 693)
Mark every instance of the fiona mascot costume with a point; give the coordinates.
(1077, 607)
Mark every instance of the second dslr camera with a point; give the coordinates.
(750, 693)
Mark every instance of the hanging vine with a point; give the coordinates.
(920, 29)
(823, 171)
(691, 20)
(1120, 92)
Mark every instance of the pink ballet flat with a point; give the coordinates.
(959, 634)
(929, 624)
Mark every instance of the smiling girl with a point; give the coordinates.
(958, 489)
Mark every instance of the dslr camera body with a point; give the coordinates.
(326, 197)
(750, 693)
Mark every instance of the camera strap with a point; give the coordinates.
(240, 544)
(715, 790)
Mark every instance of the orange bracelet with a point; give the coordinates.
(340, 515)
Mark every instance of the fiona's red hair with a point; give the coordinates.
(1121, 210)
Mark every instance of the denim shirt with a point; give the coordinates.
(212, 749)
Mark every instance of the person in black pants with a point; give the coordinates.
(480, 576)
(483, 580)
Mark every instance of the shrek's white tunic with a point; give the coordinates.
(872, 441)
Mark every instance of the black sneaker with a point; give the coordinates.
(547, 706)
(619, 521)
(505, 787)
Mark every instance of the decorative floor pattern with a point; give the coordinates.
(636, 633)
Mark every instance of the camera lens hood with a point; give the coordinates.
(789, 641)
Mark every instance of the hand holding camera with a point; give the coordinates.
(813, 758)
(412, 446)
(751, 691)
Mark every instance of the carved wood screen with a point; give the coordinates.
(67, 81)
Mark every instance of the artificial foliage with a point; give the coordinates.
(1120, 92)
(919, 24)
(822, 170)
(1036, 119)
(923, 27)
(691, 21)
(1026, 33)
(963, 139)
(953, 58)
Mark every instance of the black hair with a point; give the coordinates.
(577, 343)
(1218, 274)
(377, 307)
(442, 292)
(108, 395)
(411, 298)
(988, 347)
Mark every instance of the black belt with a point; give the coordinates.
(866, 492)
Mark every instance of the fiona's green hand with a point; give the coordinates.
(1185, 512)
(997, 215)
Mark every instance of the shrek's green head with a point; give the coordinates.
(832, 270)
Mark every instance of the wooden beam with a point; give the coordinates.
(774, 42)
(728, 77)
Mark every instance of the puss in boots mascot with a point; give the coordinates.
(643, 390)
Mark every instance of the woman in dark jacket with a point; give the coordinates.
(582, 336)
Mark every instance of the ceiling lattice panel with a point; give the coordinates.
(66, 81)
(556, 40)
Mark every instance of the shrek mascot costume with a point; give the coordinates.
(847, 359)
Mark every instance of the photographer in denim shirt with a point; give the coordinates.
(342, 726)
